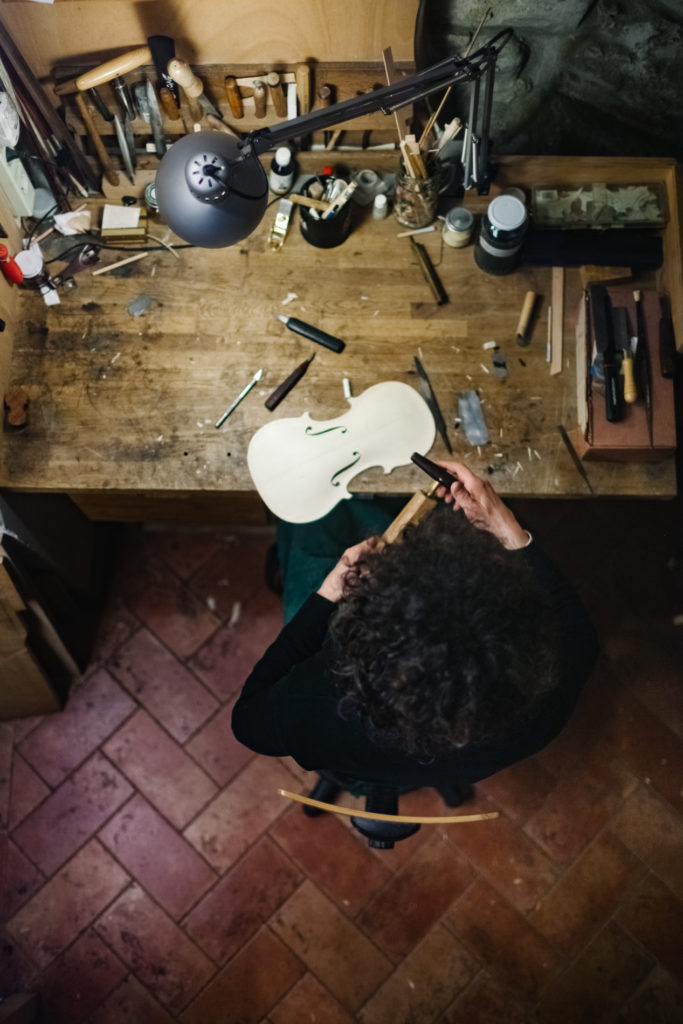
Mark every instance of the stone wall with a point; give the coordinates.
(579, 77)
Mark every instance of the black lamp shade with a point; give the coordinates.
(209, 192)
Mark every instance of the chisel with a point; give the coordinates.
(604, 342)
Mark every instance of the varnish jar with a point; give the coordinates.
(501, 235)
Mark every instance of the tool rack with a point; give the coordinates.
(345, 79)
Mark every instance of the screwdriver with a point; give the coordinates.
(283, 389)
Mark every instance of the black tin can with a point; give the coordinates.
(501, 235)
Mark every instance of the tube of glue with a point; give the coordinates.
(312, 333)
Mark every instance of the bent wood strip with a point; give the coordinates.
(417, 819)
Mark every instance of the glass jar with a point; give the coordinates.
(416, 200)
(501, 235)
(457, 227)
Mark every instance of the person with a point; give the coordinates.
(437, 660)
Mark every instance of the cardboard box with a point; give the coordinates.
(628, 439)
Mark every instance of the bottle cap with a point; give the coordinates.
(506, 213)
(380, 201)
(459, 219)
(283, 155)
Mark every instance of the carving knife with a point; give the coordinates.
(155, 120)
(604, 342)
(124, 146)
(243, 393)
(124, 132)
(431, 400)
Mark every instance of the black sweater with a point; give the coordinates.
(288, 705)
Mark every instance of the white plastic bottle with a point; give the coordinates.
(281, 177)
(380, 207)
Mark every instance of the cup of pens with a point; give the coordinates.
(328, 223)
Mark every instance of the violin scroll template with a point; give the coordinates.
(301, 467)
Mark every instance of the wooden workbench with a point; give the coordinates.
(123, 407)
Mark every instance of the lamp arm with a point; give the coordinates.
(387, 98)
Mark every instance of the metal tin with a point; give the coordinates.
(151, 197)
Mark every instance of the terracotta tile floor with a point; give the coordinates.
(152, 872)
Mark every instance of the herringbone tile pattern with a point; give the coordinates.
(152, 873)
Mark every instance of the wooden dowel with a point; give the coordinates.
(276, 93)
(524, 318)
(416, 819)
(120, 263)
(315, 204)
(557, 303)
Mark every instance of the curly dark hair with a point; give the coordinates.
(443, 640)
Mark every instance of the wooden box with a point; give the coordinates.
(627, 440)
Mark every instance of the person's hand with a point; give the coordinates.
(332, 586)
(482, 506)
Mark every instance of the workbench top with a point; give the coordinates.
(124, 404)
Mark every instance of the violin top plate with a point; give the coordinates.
(301, 467)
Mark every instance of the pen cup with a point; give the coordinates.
(324, 234)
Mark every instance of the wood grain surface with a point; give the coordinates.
(127, 404)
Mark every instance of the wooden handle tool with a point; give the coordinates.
(105, 72)
(276, 94)
(168, 104)
(417, 509)
(108, 169)
(522, 332)
(325, 95)
(260, 98)
(234, 96)
(630, 391)
(302, 74)
(181, 73)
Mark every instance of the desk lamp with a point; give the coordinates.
(212, 190)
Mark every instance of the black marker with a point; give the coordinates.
(312, 333)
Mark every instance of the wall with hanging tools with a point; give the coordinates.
(213, 31)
